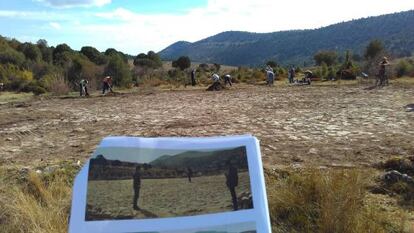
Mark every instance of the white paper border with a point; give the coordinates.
(259, 214)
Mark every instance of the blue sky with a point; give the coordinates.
(135, 26)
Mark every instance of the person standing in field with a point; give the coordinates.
(83, 85)
(227, 79)
(107, 84)
(383, 77)
(193, 79)
(291, 74)
(270, 76)
(137, 186)
(232, 180)
(189, 174)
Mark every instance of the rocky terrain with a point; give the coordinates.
(296, 125)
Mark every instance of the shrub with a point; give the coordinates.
(404, 68)
(182, 62)
(37, 204)
(34, 87)
(325, 201)
(57, 85)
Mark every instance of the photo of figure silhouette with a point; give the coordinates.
(137, 186)
(232, 180)
(126, 183)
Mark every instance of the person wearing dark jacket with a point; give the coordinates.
(232, 180)
(189, 174)
(193, 79)
(137, 186)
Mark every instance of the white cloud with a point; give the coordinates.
(55, 25)
(74, 3)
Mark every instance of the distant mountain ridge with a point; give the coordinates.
(298, 46)
(203, 161)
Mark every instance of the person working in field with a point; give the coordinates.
(137, 186)
(227, 80)
(382, 74)
(270, 76)
(291, 74)
(232, 180)
(107, 84)
(193, 79)
(83, 85)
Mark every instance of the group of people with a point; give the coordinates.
(231, 174)
(382, 79)
(106, 86)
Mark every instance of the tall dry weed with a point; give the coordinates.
(35, 206)
(326, 201)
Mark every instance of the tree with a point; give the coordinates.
(328, 57)
(271, 63)
(150, 60)
(60, 54)
(119, 71)
(182, 62)
(93, 55)
(47, 53)
(10, 55)
(373, 49)
(112, 51)
(31, 51)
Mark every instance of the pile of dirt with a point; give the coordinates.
(216, 87)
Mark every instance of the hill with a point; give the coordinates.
(298, 46)
(203, 161)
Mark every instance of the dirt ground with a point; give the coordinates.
(112, 199)
(306, 125)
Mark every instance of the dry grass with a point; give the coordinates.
(36, 205)
(8, 97)
(327, 201)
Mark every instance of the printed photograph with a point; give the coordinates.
(244, 227)
(141, 183)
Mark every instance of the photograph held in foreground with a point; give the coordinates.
(169, 183)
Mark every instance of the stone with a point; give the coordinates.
(313, 151)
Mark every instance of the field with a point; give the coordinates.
(343, 130)
(162, 197)
(317, 125)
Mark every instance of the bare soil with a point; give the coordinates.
(173, 197)
(306, 125)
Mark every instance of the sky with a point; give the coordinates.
(138, 154)
(135, 26)
(132, 154)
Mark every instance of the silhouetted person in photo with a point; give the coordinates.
(193, 79)
(232, 180)
(137, 186)
(189, 174)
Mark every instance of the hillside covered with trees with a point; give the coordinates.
(41, 68)
(299, 46)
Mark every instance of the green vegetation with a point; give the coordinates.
(182, 62)
(299, 46)
(40, 68)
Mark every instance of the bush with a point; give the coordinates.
(57, 85)
(34, 87)
(325, 201)
(182, 62)
(404, 68)
(11, 56)
(36, 204)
